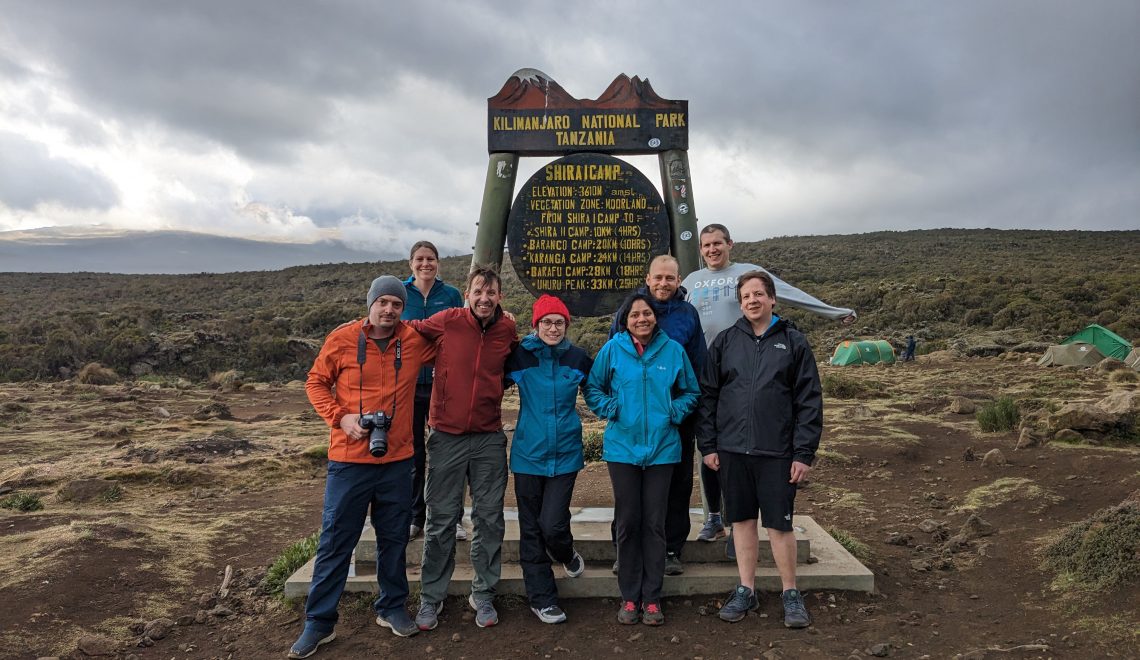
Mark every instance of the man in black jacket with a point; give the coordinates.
(760, 418)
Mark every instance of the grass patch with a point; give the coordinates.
(857, 548)
(1100, 553)
(1124, 376)
(592, 446)
(22, 502)
(843, 387)
(1000, 415)
(112, 494)
(317, 452)
(832, 456)
(1005, 490)
(287, 563)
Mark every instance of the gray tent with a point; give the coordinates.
(1066, 355)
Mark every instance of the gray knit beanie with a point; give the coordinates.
(386, 285)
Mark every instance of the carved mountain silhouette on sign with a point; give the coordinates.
(531, 89)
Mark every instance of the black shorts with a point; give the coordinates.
(757, 487)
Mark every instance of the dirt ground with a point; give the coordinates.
(233, 487)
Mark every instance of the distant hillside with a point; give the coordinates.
(48, 251)
(941, 285)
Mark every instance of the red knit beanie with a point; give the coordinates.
(548, 304)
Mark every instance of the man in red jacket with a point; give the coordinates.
(466, 445)
(364, 375)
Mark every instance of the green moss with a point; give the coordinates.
(857, 548)
(1100, 553)
(287, 563)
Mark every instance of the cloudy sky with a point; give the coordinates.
(365, 121)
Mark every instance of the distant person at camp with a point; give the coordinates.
(908, 354)
(643, 386)
(427, 294)
(466, 445)
(712, 290)
(546, 451)
(680, 322)
(759, 423)
(362, 383)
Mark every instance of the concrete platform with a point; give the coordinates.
(591, 539)
(832, 567)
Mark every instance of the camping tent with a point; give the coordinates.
(1107, 342)
(1133, 359)
(1067, 355)
(863, 352)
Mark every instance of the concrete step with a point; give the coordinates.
(591, 530)
(832, 567)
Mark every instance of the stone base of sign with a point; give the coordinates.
(823, 564)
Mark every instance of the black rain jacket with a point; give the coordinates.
(760, 395)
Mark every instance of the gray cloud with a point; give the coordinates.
(806, 118)
(30, 176)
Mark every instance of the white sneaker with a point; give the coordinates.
(460, 532)
(551, 614)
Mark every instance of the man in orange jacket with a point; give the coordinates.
(363, 385)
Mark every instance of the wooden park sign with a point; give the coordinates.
(586, 226)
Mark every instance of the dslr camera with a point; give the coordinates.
(377, 424)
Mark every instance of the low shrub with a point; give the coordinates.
(843, 387)
(592, 446)
(999, 415)
(287, 563)
(94, 373)
(22, 502)
(1101, 552)
(1124, 376)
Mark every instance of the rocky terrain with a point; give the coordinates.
(155, 507)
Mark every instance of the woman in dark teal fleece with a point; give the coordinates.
(546, 451)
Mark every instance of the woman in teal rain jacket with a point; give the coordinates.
(546, 451)
(643, 385)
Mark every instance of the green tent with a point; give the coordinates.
(863, 352)
(1106, 341)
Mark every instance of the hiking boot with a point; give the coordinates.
(308, 643)
(627, 615)
(730, 549)
(400, 623)
(460, 532)
(485, 614)
(712, 530)
(427, 617)
(575, 566)
(673, 565)
(549, 614)
(651, 615)
(740, 602)
(795, 612)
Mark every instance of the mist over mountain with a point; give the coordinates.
(165, 252)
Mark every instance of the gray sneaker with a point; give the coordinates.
(485, 614)
(795, 612)
(427, 617)
(460, 532)
(712, 530)
(740, 602)
(400, 623)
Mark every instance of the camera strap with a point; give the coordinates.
(362, 356)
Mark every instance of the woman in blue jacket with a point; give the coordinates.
(427, 294)
(643, 384)
(546, 451)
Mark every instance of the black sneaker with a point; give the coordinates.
(575, 566)
(673, 565)
(740, 602)
(795, 612)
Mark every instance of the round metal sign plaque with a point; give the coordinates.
(584, 228)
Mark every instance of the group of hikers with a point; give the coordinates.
(700, 364)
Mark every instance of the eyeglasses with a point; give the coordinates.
(548, 323)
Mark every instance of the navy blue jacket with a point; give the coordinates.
(418, 307)
(548, 437)
(681, 321)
